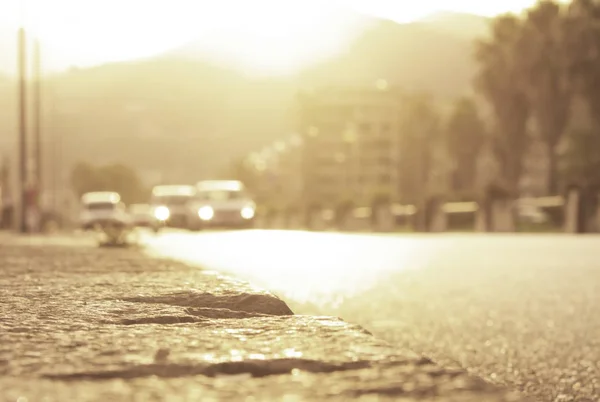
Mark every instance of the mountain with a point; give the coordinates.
(413, 56)
(331, 35)
(182, 116)
(462, 25)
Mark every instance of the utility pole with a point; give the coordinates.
(50, 124)
(22, 71)
(37, 141)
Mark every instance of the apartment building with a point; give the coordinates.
(348, 147)
(350, 143)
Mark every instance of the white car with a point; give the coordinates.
(100, 209)
(171, 206)
(223, 203)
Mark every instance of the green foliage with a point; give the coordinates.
(582, 28)
(464, 137)
(241, 169)
(115, 177)
(500, 81)
(546, 66)
(536, 66)
(420, 122)
(580, 163)
(581, 159)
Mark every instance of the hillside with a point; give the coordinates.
(465, 26)
(186, 117)
(413, 56)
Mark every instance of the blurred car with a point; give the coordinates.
(223, 203)
(102, 209)
(170, 205)
(141, 215)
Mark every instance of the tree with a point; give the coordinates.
(85, 178)
(4, 178)
(241, 169)
(464, 138)
(546, 68)
(580, 164)
(582, 41)
(116, 177)
(581, 161)
(500, 80)
(420, 134)
(6, 201)
(125, 181)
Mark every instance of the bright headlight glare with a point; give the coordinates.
(162, 213)
(247, 212)
(206, 213)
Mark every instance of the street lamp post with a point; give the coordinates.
(37, 131)
(22, 71)
(29, 182)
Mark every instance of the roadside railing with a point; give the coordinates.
(575, 212)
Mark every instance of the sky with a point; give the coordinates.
(276, 35)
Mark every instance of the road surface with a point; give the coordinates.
(520, 310)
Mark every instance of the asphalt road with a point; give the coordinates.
(520, 310)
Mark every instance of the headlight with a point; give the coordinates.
(206, 213)
(162, 213)
(247, 212)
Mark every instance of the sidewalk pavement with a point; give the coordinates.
(79, 322)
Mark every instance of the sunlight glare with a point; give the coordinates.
(269, 35)
(411, 11)
(260, 36)
(307, 267)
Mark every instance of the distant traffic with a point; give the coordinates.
(208, 204)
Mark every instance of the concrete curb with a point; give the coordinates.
(89, 324)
